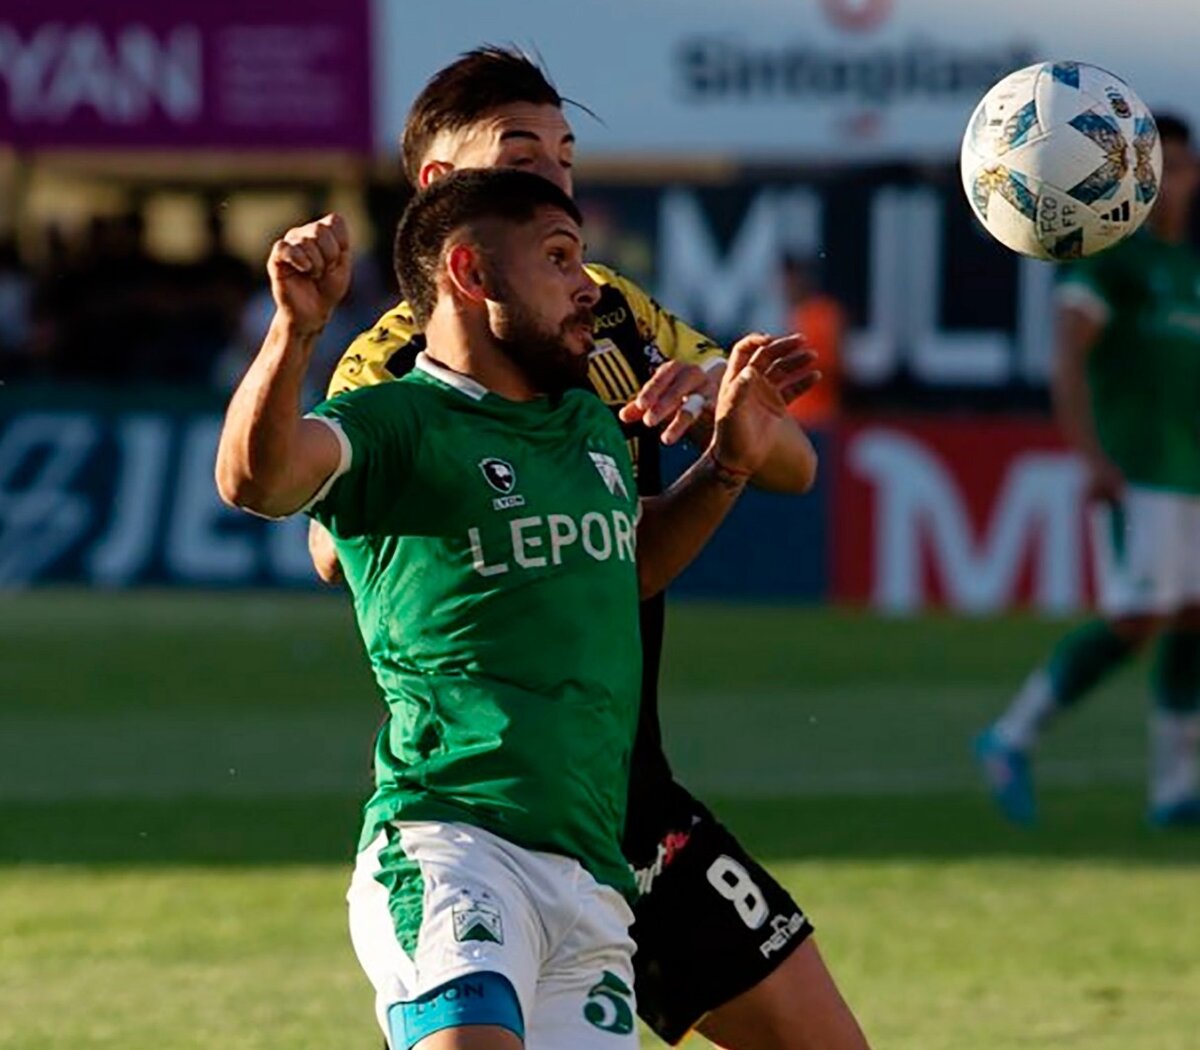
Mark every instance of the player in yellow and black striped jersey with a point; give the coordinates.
(721, 945)
(634, 337)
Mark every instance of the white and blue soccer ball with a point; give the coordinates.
(1061, 160)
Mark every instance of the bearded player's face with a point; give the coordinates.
(541, 299)
(521, 135)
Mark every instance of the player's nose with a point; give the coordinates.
(588, 292)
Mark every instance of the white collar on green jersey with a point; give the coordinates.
(463, 384)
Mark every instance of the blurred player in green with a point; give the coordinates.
(721, 944)
(1127, 397)
(486, 515)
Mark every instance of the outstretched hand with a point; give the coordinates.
(764, 375)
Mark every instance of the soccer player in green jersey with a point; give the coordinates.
(722, 946)
(487, 519)
(1127, 396)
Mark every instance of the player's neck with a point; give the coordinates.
(476, 355)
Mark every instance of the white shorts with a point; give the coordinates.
(433, 902)
(1147, 552)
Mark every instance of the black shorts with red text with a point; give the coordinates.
(711, 922)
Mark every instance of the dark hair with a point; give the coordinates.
(457, 200)
(478, 82)
(1173, 128)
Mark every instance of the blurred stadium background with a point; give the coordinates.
(185, 716)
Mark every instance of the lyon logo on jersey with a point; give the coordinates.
(500, 475)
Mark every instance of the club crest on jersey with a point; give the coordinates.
(500, 475)
(607, 467)
(476, 919)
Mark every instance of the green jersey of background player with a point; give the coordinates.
(1127, 395)
(484, 510)
(1143, 370)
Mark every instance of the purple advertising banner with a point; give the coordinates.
(223, 74)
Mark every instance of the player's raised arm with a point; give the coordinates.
(760, 381)
(270, 461)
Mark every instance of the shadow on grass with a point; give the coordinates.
(1097, 824)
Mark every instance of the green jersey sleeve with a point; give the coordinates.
(1099, 286)
(377, 431)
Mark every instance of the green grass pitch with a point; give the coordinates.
(180, 778)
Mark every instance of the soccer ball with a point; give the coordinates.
(1061, 160)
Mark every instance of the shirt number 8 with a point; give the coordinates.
(733, 882)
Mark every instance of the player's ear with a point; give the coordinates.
(431, 171)
(464, 264)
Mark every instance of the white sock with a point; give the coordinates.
(1174, 757)
(1030, 709)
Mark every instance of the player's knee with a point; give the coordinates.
(485, 999)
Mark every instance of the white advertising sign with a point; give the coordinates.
(787, 80)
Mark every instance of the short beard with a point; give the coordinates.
(543, 356)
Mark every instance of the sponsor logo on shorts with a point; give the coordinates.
(477, 919)
(784, 928)
(457, 990)
(669, 848)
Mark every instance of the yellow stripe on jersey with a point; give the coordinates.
(603, 385)
(628, 378)
(610, 373)
(675, 340)
(635, 446)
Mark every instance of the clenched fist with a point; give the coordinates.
(309, 268)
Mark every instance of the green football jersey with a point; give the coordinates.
(1144, 372)
(490, 548)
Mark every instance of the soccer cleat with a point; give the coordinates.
(1007, 777)
(1182, 814)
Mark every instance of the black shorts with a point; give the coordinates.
(711, 922)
